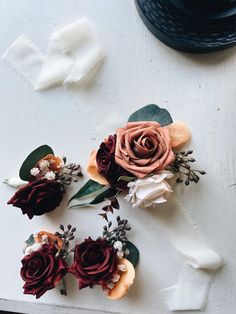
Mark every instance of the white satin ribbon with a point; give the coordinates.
(60, 64)
(190, 291)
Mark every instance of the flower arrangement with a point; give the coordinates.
(43, 181)
(138, 160)
(108, 261)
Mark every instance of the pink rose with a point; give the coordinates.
(143, 148)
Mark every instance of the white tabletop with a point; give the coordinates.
(138, 70)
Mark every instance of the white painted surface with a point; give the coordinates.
(138, 70)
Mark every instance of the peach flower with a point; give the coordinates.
(143, 148)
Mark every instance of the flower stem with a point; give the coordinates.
(62, 287)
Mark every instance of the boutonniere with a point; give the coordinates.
(138, 160)
(109, 261)
(46, 261)
(43, 181)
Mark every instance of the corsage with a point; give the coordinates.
(109, 261)
(139, 160)
(43, 181)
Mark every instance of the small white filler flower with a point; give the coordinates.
(50, 175)
(118, 245)
(34, 171)
(44, 164)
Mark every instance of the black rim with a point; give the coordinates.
(180, 33)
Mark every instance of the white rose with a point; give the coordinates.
(149, 191)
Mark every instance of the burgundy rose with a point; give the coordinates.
(38, 197)
(106, 163)
(95, 262)
(42, 270)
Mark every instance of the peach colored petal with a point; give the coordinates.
(179, 134)
(52, 239)
(57, 161)
(92, 170)
(126, 280)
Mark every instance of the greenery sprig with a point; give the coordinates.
(69, 173)
(114, 204)
(117, 233)
(66, 235)
(182, 168)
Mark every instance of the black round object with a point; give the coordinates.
(196, 26)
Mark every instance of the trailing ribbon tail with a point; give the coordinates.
(60, 64)
(201, 262)
(25, 58)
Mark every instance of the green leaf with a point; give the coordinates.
(133, 256)
(32, 160)
(89, 188)
(152, 113)
(30, 241)
(109, 192)
(126, 178)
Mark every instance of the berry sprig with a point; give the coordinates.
(66, 235)
(117, 233)
(182, 167)
(69, 173)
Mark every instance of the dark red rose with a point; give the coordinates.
(42, 270)
(107, 166)
(38, 197)
(95, 262)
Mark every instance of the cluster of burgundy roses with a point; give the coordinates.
(96, 262)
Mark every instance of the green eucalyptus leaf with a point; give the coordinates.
(30, 241)
(87, 189)
(109, 192)
(152, 113)
(133, 256)
(32, 160)
(126, 178)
